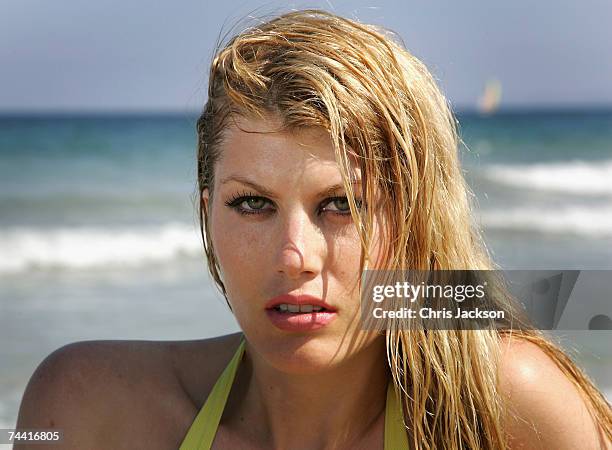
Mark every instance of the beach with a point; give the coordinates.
(99, 236)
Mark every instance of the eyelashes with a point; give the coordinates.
(238, 199)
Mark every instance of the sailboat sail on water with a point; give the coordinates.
(490, 99)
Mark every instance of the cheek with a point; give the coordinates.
(239, 250)
(344, 261)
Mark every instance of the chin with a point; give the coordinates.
(306, 353)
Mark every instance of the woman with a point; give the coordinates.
(325, 148)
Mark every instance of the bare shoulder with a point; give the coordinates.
(546, 410)
(122, 394)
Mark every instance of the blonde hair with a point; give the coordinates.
(381, 105)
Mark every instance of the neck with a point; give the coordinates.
(332, 409)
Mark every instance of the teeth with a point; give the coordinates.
(285, 307)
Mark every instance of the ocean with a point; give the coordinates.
(99, 236)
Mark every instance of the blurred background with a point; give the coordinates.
(98, 102)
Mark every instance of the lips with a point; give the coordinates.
(299, 313)
(298, 300)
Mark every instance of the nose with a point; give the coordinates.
(302, 245)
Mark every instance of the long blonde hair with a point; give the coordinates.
(381, 105)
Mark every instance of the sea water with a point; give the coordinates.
(99, 235)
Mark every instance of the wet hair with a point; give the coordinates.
(382, 108)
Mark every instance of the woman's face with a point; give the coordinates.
(278, 226)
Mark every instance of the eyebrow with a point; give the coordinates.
(328, 191)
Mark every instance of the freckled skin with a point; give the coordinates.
(291, 246)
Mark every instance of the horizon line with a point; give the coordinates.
(143, 112)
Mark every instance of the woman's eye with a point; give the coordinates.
(248, 204)
(341, 205)
(254, 202)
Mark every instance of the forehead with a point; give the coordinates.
(264, 148)
(245, 135)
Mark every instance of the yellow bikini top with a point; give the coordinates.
(203, 429)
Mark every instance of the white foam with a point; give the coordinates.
(578, 220)
(574, 177)
(77, 248)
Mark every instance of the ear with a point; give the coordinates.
(204, 198)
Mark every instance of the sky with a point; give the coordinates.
(138, 55)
